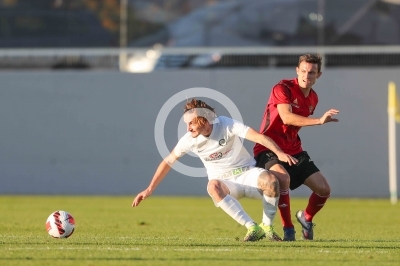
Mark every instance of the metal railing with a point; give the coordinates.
(198, 57)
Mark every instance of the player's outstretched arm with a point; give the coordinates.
(159, 175)
(289, 118)
(267, 142)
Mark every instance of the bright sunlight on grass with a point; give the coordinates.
(192, 231)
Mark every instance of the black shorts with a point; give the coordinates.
(298, 172)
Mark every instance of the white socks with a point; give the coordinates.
(270, 206)
(235, 210)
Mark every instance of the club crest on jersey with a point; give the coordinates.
(311, 108)
(295, 103)
(222, 142)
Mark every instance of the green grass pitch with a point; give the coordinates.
(191, 231)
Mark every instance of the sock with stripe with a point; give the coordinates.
(284, 208)
(315, 204)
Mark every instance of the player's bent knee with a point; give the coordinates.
(268, 183)
(323, 191)
(212, 186)
(283, 178)
(216, 189)
(284, 181)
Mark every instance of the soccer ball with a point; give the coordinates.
(60, 224)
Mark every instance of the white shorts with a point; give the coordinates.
(244, 185)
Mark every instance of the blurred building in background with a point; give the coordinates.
(269, 23)
(80, 24)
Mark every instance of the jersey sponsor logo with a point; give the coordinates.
(222, 142)
(295, 103)
(216, 156)
(200, 150)
(234, 172)
(237, 171)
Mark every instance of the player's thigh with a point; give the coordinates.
(302, 170)
(318, 184)
(281, 174)
(248, 183)
(269, 161)
(228, 187)
(217, 186)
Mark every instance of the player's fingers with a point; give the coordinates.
(334, 112)
(290, 160)
(328, 114)
(136, 201)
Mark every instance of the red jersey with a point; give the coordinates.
(285, 136)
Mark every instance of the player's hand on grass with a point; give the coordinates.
(141, 196)
(327, 117)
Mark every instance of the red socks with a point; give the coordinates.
(315, 203)
(284, 208)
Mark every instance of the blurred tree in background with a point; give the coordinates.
(106, 11)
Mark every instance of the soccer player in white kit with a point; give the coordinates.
(231, 170)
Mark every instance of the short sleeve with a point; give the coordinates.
(182, 147)
(235, 127)
(280, 94)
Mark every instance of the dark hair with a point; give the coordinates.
(311, 58)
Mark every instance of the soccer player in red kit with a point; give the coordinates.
(288, 109)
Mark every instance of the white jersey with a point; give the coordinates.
(222, 151)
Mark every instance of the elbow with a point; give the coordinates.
(286, 121)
